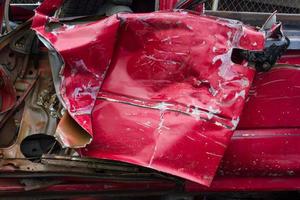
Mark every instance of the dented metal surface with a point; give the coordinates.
(263, 154)
(157, 89)
(157, 104)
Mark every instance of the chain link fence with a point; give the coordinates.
(268, 6)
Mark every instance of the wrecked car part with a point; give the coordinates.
(34, 146)
(34, 111)
(90, 184)
(94, 7)
(189, 4)
(71, 134)
(8, 114)
(15, 62)
(6, 39)
(11, 119)
(7, 92)
(35, 184)
(276, 44)
(87, 163)
(23, 42)
(163, 81)
(263, 154)
(55, 60)
(238, 155)
(270, 22)
(87, 7)
(206, 114)
(37, 111)
(8, 139)
(265, 60)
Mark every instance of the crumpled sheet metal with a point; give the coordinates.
(158, 89)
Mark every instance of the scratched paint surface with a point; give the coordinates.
(279, 88)
(158, 90)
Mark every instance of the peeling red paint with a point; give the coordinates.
(158, 90)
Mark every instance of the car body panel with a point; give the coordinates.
(122, 83)
(154, 89)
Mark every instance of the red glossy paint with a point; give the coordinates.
(264, 154)
(258, 160)
(265, 159)
(291, 58)
(270, 145)
(157, 90)
(166, 4)
(171, 4)
(86, 58)
(239, 184)
(274, 100)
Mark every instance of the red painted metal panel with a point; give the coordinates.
(87, 50)
(166, 4)
(263, 152)
(265, 156)
(290, 57)
(157, 90)
(171, 4)
(247, 184)
(274, 100)
(152, 76)
(258, 160)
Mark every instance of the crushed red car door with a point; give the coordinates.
(159, 90)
